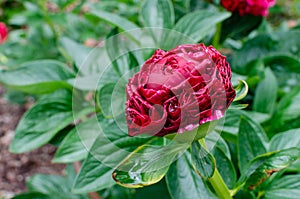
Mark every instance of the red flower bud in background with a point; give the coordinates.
(251, 7)
(178, 90)
(3, 32)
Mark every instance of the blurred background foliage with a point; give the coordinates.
(265, 52)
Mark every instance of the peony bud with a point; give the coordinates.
(251, 7)
(178, 90)
(3, 33)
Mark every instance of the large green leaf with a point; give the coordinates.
(229, 130)
(252, 141)
(93, 176)
(94, 82)
(266, 94)
(203, 162)
(76, 51)
(262, 166)
(95, 71)
(225, 167)
(117, 192)
(95, 64)
(184, 183)
(214, 139)
(38, 77)
(148, 164)
(43, 121)
(238, 27)
(121, 53)
(266, 45)
(54, 186)
(78, 142)
(200, 23)
(31, 195)
(285, 140)
(158, 13)
(109, 150)
(287, 113)
(104, 99)
(287, 187)
(286, 68)
(157, 190)
(288, 107)
(120, 22)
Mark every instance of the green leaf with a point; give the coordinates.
(184, 183)
(117, 192)
(148, 163)
(95, 71)
(158, 13)
(225, 167)
(266, 94)
(285, 140)
(229, 130)
(286, 68)
(42, 122)
(203, 162)
(264, 45)
(214, 139)
(31, 195)
(158, 190)
(93, 82)
(93, 176)
(111, 147)
(200, 23)
(238, 27)
(287, 187)
(121, 54)
(38, 77)
(258, 117)
(238, 106)
(120, 22)
(77, 143)
(288, 107)
(95, 64)
(295, 167)
(77, 51)
(287, 112)
(242, 194)
(104, 99)
(52, 185)
(241, 90)
(262, 166)
(252, 141)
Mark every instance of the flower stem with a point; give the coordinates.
(217, 181)
(219, 186)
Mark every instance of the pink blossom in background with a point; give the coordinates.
(251, 7)
(3, 32)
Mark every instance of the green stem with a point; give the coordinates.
(219, 186)
(260, 194)
(217, 181)
(42, 4)
(217, 36)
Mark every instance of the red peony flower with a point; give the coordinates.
(3, 32)
(178, 90)
(252, 7)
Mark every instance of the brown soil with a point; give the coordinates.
(16, 168)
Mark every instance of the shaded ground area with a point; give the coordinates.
(14, 169)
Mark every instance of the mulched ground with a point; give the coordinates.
(16, 168)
